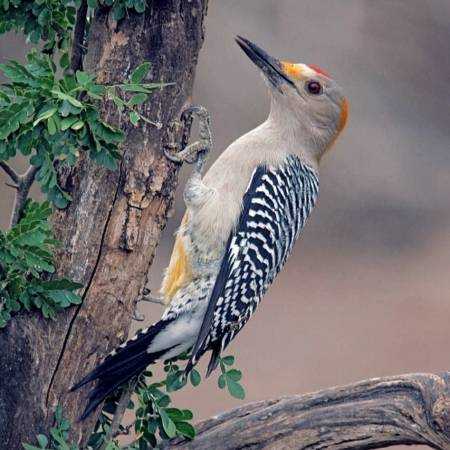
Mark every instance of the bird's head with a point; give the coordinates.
(306, 101)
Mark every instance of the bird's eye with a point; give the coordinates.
(314, 87)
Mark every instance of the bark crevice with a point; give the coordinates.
(86, 290)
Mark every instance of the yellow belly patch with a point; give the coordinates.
(179, 271)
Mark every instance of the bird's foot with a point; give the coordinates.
(145, 297)
(197, 151)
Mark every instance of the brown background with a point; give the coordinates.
(366, 292)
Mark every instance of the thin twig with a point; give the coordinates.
(76, 60)
(24, 183)
(120, 411)
(10, 171)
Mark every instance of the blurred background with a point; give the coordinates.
(367, 291)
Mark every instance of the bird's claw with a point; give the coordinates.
(150, 299)
(195, 152)
(189, 155)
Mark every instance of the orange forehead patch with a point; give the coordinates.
(301, 71)
(343, 116)
(319, 70)
(291, 70)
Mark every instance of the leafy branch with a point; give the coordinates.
(51, 119)
(26, 255)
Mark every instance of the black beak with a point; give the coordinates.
(271, 67)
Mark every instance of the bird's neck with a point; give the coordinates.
(298, 134)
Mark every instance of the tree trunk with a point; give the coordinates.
(378, 413)
(110, 230)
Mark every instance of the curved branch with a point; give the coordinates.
(10, 171)
(407, 409)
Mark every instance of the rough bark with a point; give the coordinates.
(111, 229)
(408, 409)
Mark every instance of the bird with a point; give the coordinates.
(242, 219)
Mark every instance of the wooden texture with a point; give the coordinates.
(111, 229)
(377, 413)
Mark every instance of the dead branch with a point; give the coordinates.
(376, 413)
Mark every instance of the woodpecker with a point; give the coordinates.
(242, 219)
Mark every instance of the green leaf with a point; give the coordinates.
(140, 72)
(167, 423)
(235, 389)
(64, 298)
(77, 125)
(185, 429)
(61, 284)
(146, 88)
(105, 159)
(45, 114)
(72, 100)
(228, 360)
(234, 374)
(44, 17)
(187, 414)
(51, 126)
(137, 99)
(134, 118)
(84, 78)
(66, 109)
(139, 6)
(118, 12)
(195, 377)
(221, 381)
(68, 122)
(96, 91)
(152, 426)
(175, 414)
(163, 401)
(42, 440)
(64, 61)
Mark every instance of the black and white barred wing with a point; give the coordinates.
(275, 208)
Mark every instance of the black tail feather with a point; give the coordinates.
(105, 388)
(214, 361)
(120, 367)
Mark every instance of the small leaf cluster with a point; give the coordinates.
(50, 119)
(26, 259)
(119, 8)
(50, 21)
(155, 415)
(59, 435)
(175, 377)
(230, 378)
